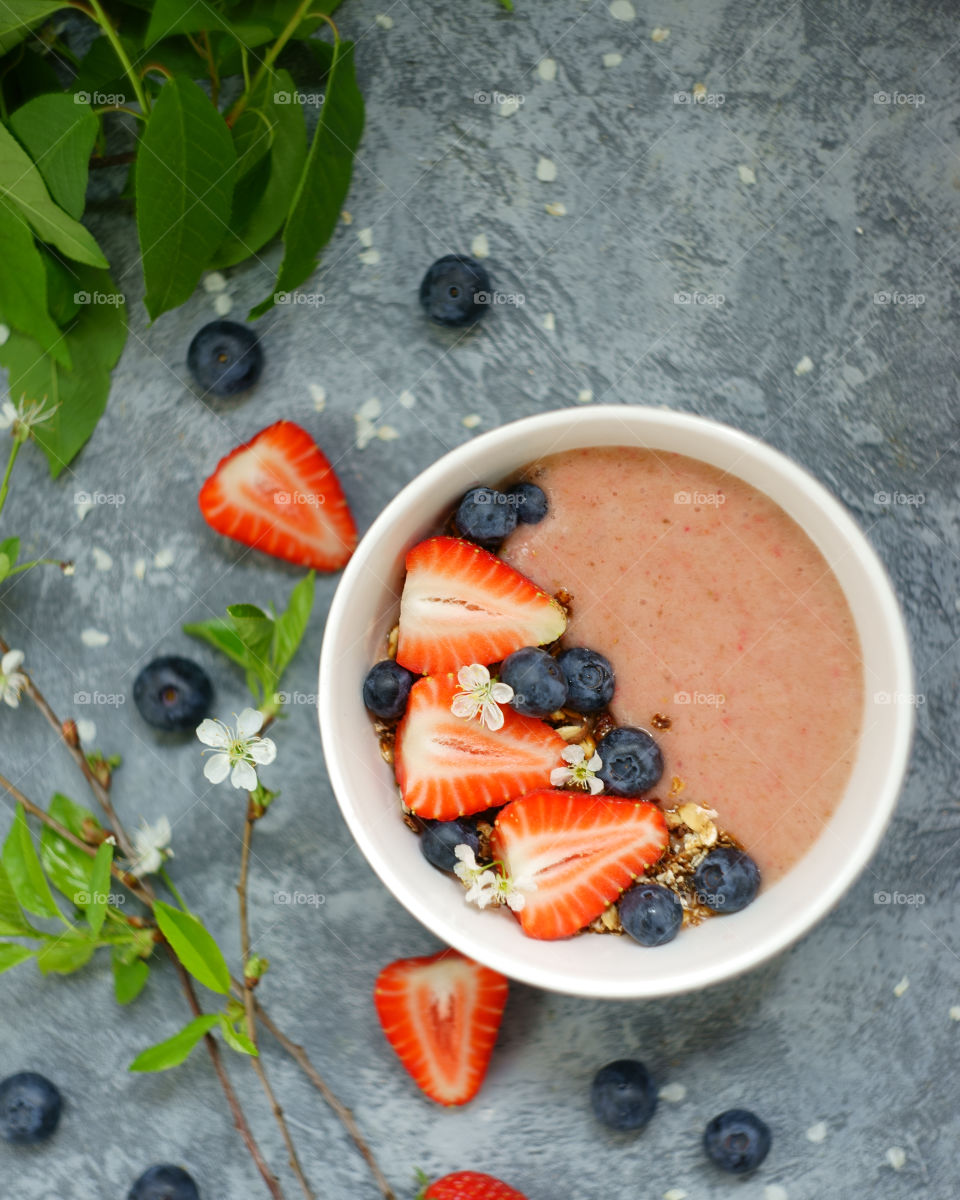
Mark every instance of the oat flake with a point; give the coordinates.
(622, 10)
(896, 1157)
(365, 237)
(94, 638)
(319, 396)
(673, 1093)
(804, 366)
(508, 106)
(817, 1133)
(546, 170)
(480, 247)
(140, 569)
(955, 1013)
(86, 730)
(369, 258)
(585, 396)
(387, 433)
(163, 559)
(675, 1194)
(747, 174)
(612, 60)
(549, 322)
(547, 69)
(214, 282)
(901, 987)
(222, 304)
(773, 1191)
(407, 399)
(471, 420)
(556, 208)
(384, 21)
(659, 34)
(101, 559)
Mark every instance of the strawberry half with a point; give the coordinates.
(278, 493)
(470, 1185)
(462, 604)
(572, 855)
(441, 1014)
(449, 766)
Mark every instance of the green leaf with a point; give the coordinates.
(4, 566)
(99, 887)
(59, 133)
(23, 285)
(290, 626)
(237, 1040)
(181, 16)
(252, 135)
(62, 296)
(18, 17)
(24, 871)
(194, 946)
(11, 548)
(94, 340)
(65, 954)
(175, 1050)
(185, 171)
(12, 921)
(254, 628)
(11, 954)
(68, 867)
(128, 977)
(325, 178)
(22, 184)
(220, 634)
(263, 196)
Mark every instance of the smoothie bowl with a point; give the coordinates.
(640, 688)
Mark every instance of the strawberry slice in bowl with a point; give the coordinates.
(441, 1014)
(449, 767)
(571, 855)
(278, 494)
(462, 604)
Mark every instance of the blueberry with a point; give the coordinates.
(632, 762)
(531, 502)
(737, 1141)
(455, 290)
(164, 1182)
(225, 358)
(651, 914)
(173, 693)
(537, 681)
(590, 679)
(726, 880)
(439, 839)
(486, 517)
(623, 1095)
(386, 689)
(30, 1108)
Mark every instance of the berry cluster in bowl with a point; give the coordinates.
(509, 763)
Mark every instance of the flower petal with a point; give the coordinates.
(214, 733)
(559, 776)
(595, 763)
(501, 692)
(11, 661)
(217, 768)
(262, 750)
(464, 705)
(472, 677)
(465, 853)
(243, 775)
(516, 900)
(595, 785)
(11, 696)
(573, 755)
(249, 722)
(491, 716)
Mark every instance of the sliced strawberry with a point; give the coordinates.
(463, 605)
(571, 855)
(470, 1185)
(450, 766)
(441, 1014)
(278, 493)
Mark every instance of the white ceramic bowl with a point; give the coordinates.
(366, 605)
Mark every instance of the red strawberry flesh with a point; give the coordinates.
(471, 1185)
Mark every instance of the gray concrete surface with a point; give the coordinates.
(852, 197)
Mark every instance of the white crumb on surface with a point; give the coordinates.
(955, 1011)
(364, 417)
(675, 1194)
(222, 304)
(214, 282)
(318, 395)
(747, 174)
(699, 92)
(612, 59)
(140, 569)
(83, 506)
(369, 258)
(94, 638)
(101, 559)
(817, 1133)
(4, 334)
(163, 558)
(804, 366)
(370, 409)
(859, 229)
(384, 21)
(365, 237)
(406, 399)
(901, 987)
(585, 396)
(546, 170)
(471, 420)
(556, 208)
(508, 106)
(346, 217)
(622, 10)
(673, 1093)
(549, 322)
(896, 1157)
(547, 69)
(86, 730)
(388, 433)
(480, 247)
(659, 34)
(773, 1191)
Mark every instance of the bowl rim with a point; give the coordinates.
(805, 917)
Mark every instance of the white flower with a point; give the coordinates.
(152, 844)
(480, 697)
(581, 772)
(239, 750)
(485, 886)
(22, 417)
(12, 680)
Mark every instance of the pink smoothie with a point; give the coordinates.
(719, 614)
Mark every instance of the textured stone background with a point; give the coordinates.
(852, 198)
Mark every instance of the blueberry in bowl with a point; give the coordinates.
(539, 687)
(590, 679)
(486, 517)
(632, 762)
